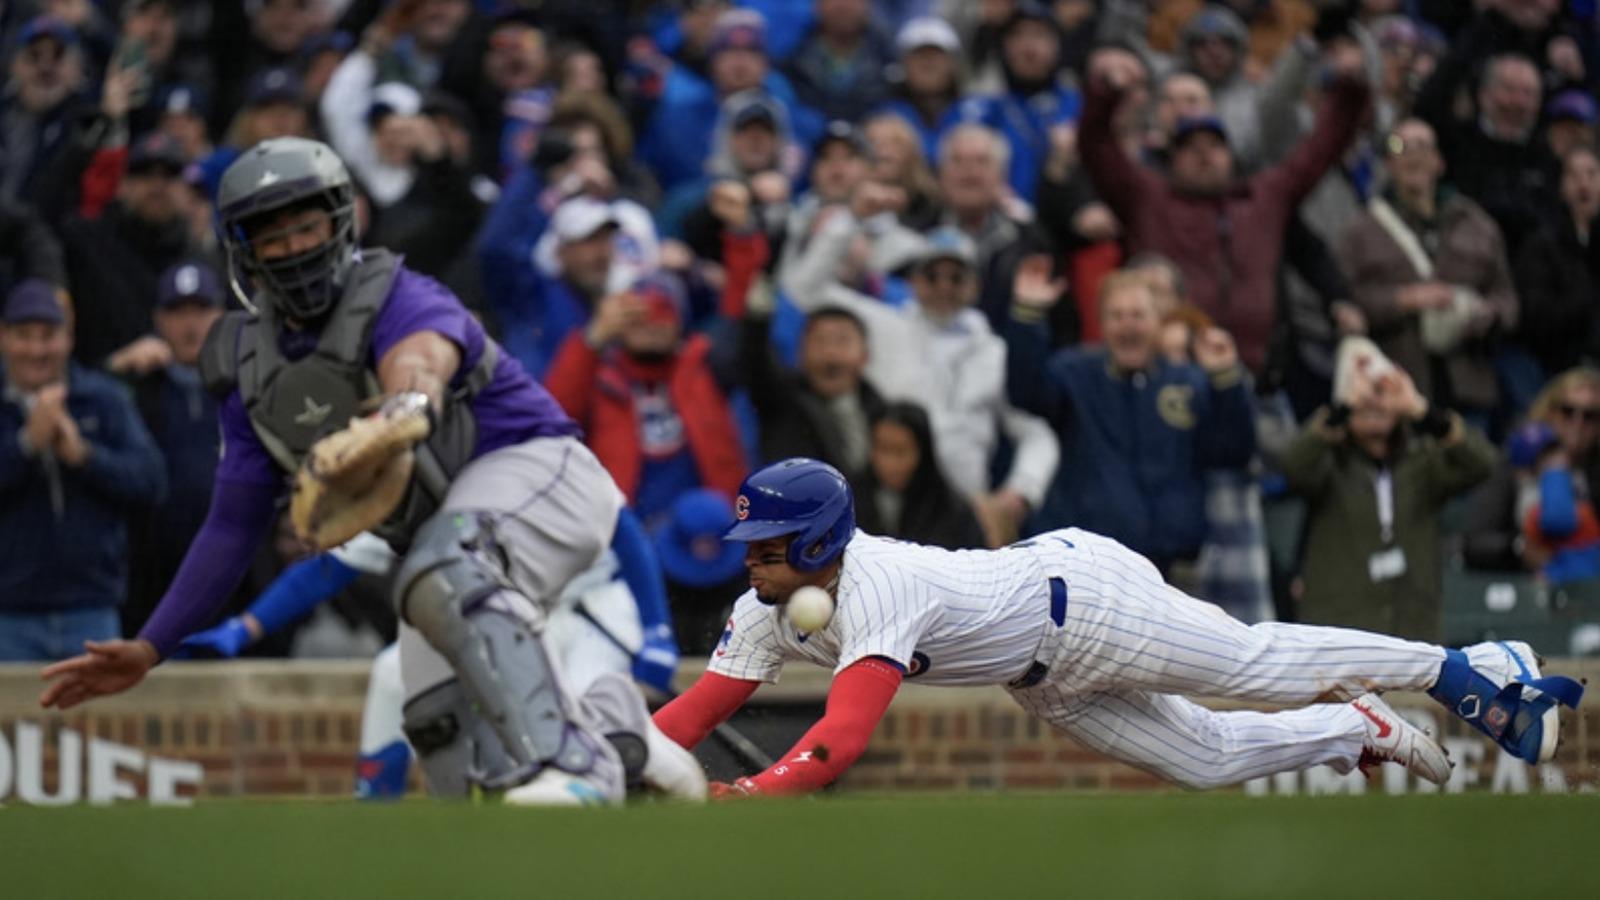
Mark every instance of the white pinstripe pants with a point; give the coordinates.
(1131, 643)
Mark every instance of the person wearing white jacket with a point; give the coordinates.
(940, 353)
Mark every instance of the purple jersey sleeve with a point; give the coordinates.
(241, 514)
(513, 407)
(418, 303)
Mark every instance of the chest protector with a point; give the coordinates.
(293, 403)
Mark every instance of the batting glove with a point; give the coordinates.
(657, 661)
(222, 642)
(736, 790)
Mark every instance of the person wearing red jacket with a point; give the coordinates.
(656, 413)
(1225, 233)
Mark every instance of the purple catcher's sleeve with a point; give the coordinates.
(241, 514)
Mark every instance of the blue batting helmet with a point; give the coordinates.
(802, 497)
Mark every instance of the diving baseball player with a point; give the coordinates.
(468, 467)
(1084, 634)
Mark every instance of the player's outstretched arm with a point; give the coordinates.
(705, 705)
(856, 703)
(294, 594)
(240, 516)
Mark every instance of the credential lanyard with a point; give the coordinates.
(1383, 487)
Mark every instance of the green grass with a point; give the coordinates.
(1011, 847)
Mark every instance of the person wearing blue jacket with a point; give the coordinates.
(1137, 432)
(74, 462)
(677, 141)
(1035, 101)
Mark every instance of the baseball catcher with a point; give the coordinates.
(375, 389)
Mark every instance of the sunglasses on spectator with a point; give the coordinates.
(1590, 414)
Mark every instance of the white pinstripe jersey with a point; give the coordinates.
(969, 617)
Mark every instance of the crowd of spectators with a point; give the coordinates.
(1155, 268)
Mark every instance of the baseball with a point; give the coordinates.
(810, 608)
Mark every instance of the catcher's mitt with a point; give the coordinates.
(354, 478)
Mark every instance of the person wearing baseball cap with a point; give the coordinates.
(677, 141)
(839, 68)
(928, 91)
(116, 259)
(46, 74)
(181, 416)
(182, 111)
(1570, 120)
(653, 410)
(79, 462)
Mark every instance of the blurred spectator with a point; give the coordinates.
(1137, 432)
(902, 493)
(1429, 270)
(844, 229)
(898, 163)
(1569, 123)
(274, 105)
(506, 84)
(544, 272)
(1232, 569)
(677, 139)
(433, 224)
(1376, 469)
(1496, 156)
(1560, 532)
(1035, 101)
(597, 127)
(408, 41)
(181, 111)
(181, 415)
(822, 410)
(653, 409)
(1213, 46)
(838, 69)
(1570, 406)
(375, 128)
(148, 48)
(1226, 235)
(928, 91)
(1071, 214)
(1259, 29)
(256, 35)
(1558, 273)
(940, 353)
(28, 248)
(1408, 53)
(704, 573)
(115, 261)
(45, 75)
(972, 166)
(74, 461)
(753, 146)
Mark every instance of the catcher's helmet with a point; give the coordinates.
(802, 497)
(274, 175)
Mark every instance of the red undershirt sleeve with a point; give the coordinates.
(705, 705)
(856, 702)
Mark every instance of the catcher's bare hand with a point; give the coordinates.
(106, 667)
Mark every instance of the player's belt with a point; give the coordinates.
(1058, 614)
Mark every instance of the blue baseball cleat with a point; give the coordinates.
(1497, 689)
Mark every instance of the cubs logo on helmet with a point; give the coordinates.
(801, 497)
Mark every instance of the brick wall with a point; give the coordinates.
(271, 728)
